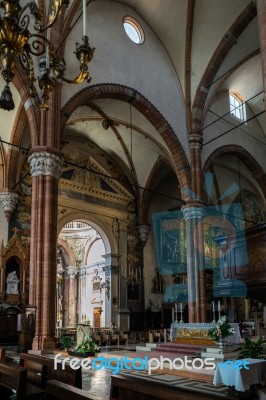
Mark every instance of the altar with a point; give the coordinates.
(198, 333)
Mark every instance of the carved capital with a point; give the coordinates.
(195, 140)
(72, 272)
(9, 201)
(144, 231)
(45, 164)
(192, 212)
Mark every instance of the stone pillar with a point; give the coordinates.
(261, 11)
(195, 232)
(112, 264)
(123, 317)
(195, 263)
(45, 167)
(9, 201)
(72, 273)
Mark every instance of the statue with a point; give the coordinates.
(12, 283)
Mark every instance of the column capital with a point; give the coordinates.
(192, 212)
(9, 201)
(45, 163)
(72, 272)
(144, 231)
(195, 139)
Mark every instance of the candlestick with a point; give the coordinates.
(84, 18)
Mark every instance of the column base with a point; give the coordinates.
(43, 343)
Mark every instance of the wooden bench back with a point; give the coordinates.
(60, 391)
(131, 388)
(41, 369)
(14, 377)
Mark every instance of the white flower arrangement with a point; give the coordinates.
(221, 330)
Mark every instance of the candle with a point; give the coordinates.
(181, 307)
(47, 50)
(175, 307)
(213, 306)
(219, 305)
(84, 18)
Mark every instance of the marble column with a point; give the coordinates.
(195, 262)
(45, 167)
(72, 273)
(193, 214)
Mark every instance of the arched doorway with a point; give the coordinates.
(83, 277)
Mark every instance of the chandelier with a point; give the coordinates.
(17, 43)
(131, 275)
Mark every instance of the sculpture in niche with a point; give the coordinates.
(12, 283)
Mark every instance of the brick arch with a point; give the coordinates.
(143, 105)
(245, 157)
(216, 60)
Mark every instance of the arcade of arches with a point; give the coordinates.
(146, 187)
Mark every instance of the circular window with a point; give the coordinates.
(133, 30)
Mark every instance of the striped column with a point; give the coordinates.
(45, 167)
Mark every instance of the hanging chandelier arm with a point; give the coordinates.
(82, 76)
(53, 15)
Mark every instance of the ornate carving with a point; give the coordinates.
(144, 231)
(45, 164)
(72, 273)
(9, 201)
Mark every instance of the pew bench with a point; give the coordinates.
(132, 388)
(41, 369)
(61, 391)
(13, 378)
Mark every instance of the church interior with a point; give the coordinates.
(133, 187)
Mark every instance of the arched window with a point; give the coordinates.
(237, 107)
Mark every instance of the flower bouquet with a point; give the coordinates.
(221, 330)
(86, 348)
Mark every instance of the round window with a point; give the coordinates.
(133, 30)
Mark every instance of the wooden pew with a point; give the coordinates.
(41, 369)
(13, 377)
(132, 388)
(60, 391)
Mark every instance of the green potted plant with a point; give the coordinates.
(86, 348)
(66, 342)
(251, 349)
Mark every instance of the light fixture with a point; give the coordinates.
(17, 43)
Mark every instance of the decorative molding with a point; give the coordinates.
(45, 164)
